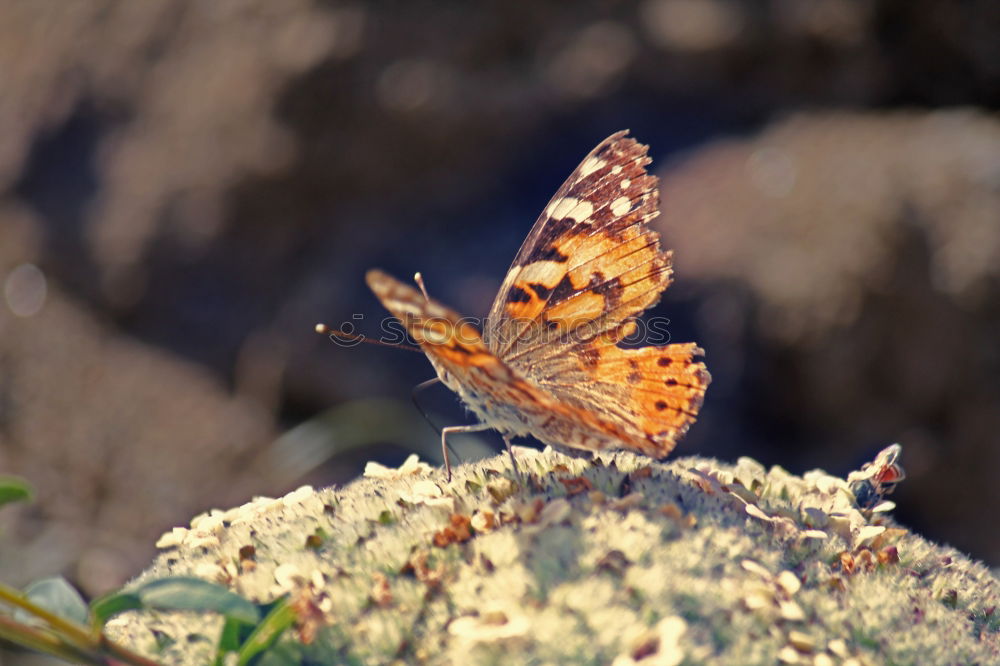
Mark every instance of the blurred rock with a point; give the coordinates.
(867, 250)
(119, 439)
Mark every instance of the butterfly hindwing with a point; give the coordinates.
(652, 392)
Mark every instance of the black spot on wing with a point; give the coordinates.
(462, 349)
(540, 290)
(518, 295)
(611, 289)
(544, 248)
(566, 289)
(563, 290)
(547, 253)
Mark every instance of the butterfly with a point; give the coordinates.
(548, 361)
(878, 478)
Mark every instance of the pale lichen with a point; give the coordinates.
(617, 560)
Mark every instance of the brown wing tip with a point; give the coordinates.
(619, 136)
(625, 148)
(378, 281)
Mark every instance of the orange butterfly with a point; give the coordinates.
(548, 363)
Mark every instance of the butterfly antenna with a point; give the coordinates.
(419, 279)
(413, 396)
(352, 337)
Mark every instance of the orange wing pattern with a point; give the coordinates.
(549, 364)
(451, 343)
(589, 263)
(653, 393)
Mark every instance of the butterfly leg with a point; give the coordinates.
(450, 430)
(513, 462)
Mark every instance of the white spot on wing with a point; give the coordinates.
(589, 166)
(434, 337)
(547, 273)
(557, 209)
(575, 209)
(616, 169)
(626, 184)
(620, 206)
(581, 212)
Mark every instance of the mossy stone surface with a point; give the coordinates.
(616, 560)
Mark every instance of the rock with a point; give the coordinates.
(587, 581)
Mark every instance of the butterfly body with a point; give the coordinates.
(548, 363)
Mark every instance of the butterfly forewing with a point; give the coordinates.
(589, 263)
(432, 325)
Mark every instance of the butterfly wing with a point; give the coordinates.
(450, 342)
(588, 268)
(653, 394)
(589, 263)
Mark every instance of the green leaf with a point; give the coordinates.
(106, 607)
(267, 632)
(58, 597)
(14, 489)
(285, 653)
(182, 593)
(229, 639)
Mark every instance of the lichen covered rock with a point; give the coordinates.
(616, 560)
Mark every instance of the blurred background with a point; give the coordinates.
(186, 188)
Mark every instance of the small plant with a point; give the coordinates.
(50, 616)
(14, 489)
